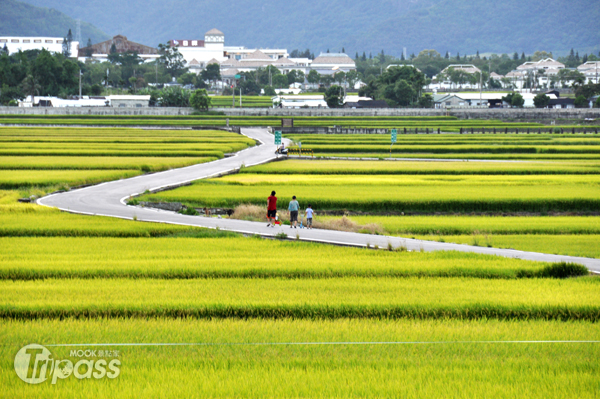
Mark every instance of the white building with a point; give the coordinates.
(200, 52)
(14, 44)
(332, 63)
(591, 70)
(44, 101)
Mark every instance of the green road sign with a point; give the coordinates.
(394, 135)
(277, 137)
(238, 76)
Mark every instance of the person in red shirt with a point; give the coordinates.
(271, 209)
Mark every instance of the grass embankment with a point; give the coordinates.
(459, 368)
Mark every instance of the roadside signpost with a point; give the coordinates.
(277, 137)
(394, 137)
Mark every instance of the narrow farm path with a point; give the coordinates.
(108, 199)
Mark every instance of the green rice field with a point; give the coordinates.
(399, 193)
(454, 365)
(43, 159)
(457, 146)
(257, 318)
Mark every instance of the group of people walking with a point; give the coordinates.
(293, 208)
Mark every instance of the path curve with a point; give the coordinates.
(108, 199)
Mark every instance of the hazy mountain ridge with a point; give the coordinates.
(445, 25)
(20, 19)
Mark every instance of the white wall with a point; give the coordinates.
(23, 43)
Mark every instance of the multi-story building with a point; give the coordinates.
(14, 44)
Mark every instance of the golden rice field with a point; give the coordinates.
(273, 318)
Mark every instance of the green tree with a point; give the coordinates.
(89, 51)
(426, 101)
(403, 93)
(187, 78)
(31, 87)
(517, 100)
(541, 101)
(211, 73)
(172, 60)
(200, 100)
(270, 91)
(597, 103)
(581, 102)
(280, 81)
(66, 45)
(352, 77)
(334, 96)
(313, 77)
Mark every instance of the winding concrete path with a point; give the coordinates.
(108, 199)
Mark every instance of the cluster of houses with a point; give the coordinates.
(494, 100)
(546, 73)
(211, 49)
(233, 60)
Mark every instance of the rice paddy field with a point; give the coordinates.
(39, 160)
(192, 312)
(454, 146)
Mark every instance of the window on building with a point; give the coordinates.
(3, 40)
(37, 41)
(14, 41)
(138, 105)
(59, 41)
(26, 41)
(194, 42)
(121, 105)
(49, 41)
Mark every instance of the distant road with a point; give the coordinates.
(108, 199)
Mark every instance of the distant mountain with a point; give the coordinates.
(20, 19)
(463, 26)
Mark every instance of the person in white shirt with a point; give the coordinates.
(309, 217)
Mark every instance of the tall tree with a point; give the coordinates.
(31, 87)
(334, 97)
(66, 45)
(88, 48)
(172, 60)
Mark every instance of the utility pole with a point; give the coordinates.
(480, 87)
(80, 84)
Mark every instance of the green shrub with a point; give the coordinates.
(563, 270)
(189, 211)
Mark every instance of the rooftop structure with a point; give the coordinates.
(468, 68)
(547, 63)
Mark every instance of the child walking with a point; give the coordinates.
(309, 217)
